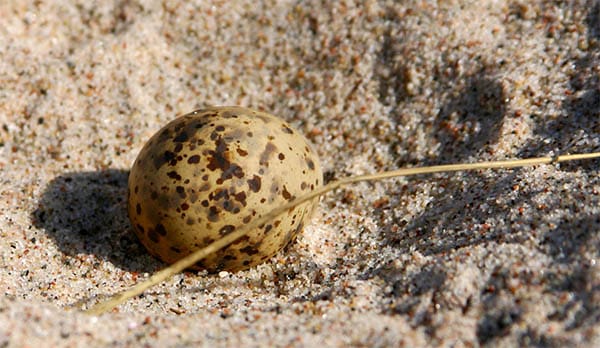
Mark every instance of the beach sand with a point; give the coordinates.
(499, 258)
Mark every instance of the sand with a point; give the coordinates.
(498, 258)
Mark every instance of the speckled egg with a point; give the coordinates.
(209, 172)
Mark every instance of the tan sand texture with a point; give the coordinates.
(499, 258)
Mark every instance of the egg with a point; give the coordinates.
(207, 173)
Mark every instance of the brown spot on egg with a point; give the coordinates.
(181, 137)
(153, 236)
(194, 159)
(174, 175)
(286, 194)
(213, 214)
(270, 148)
(218, 157)
(287, 129)
(193, 196)
(166, 157)
(160, 229)
(241, 197)
(249, 250)
(227, 229)
(254, 183)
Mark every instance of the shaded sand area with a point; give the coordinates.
(505, 257)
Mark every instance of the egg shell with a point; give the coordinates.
(208, 173)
